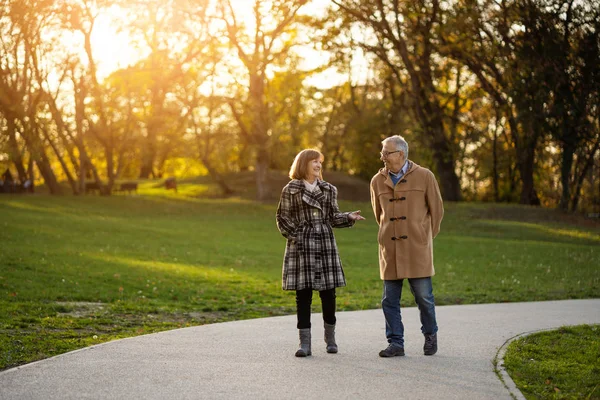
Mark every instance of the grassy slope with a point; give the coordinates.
(78, 271)
(559, 364)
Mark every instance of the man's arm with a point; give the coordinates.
(375, 204)
(435, 204)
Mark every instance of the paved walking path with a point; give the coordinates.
(254, 359)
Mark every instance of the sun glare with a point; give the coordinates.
(114, 48)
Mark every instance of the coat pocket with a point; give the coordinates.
(425, 228)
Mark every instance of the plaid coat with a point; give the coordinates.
(305, 219)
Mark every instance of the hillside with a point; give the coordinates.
(350, 188)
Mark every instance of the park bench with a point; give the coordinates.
(91, 187)
(128, 187)
(171, 183)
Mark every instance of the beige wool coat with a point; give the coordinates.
(409, 217)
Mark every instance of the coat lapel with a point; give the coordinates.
(388, 181)
(320, 194)
(313, 199)
(411, 168)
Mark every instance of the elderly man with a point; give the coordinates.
(408, 207)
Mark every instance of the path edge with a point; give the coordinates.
(498, 361)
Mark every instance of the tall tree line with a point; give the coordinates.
(500, 98)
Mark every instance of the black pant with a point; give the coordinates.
(304, 301)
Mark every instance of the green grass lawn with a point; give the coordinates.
(558, 364)
(80, 271)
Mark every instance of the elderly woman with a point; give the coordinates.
(307, 212)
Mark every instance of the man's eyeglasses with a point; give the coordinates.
(386, 154)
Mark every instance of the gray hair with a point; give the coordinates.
(398, 142)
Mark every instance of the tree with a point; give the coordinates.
(499, 42)
(573, 60)
(23, 24)
(271, 40)
(404, 35)
(209, 123)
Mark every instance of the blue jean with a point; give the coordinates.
(422, 290)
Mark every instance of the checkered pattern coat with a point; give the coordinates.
(306, 220)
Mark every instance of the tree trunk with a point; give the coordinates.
(110, 168)
(153, 127)
(148, 155)
(261, 168)
(449, 183)
(82, 172)
(13, 146)
(85, 162)
(259, 132)
(525, 146)
(565, 174)
(579, 179)
(63, 131)
(495, 163)
(37, 152)
(217, 177)
(61, 160)
(30, 174)
(43, 164)
(443, 157)
(526, 167)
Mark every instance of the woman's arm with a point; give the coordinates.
(287, 216)
(339, 219)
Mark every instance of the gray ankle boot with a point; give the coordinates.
(330, 338)
(304, 349)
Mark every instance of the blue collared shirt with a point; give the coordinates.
(396, 177)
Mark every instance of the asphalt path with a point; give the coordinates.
(254, 359)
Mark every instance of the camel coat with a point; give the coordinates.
(409, 217)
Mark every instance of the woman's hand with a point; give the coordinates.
(355, 216)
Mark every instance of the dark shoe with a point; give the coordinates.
(392, 351)
(304, 349)
(330, 338)
(430, 347)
